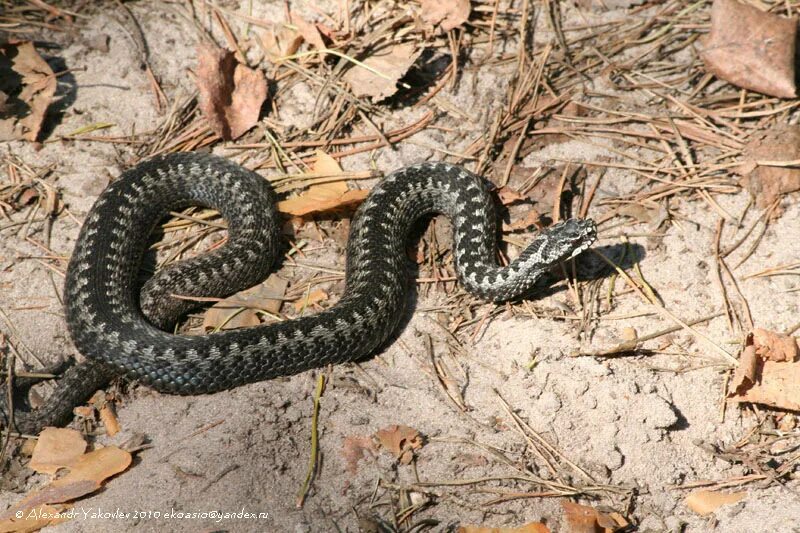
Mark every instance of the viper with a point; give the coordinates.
(125, 327)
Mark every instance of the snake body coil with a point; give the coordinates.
(121, 327)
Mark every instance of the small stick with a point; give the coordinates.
(313, 460)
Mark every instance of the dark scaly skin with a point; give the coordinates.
(112, 325)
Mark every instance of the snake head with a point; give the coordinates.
(567, 239)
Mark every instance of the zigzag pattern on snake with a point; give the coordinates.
(122, 328)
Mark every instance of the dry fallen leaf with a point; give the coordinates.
(580, 518)
(281, 42)
(401, 441)
(309, 31)
(323, 197)
(447, 14)
(354, 448)
(778, 385)
(759, 379)
(768, 183)
(751, 48)
(85, 476)
(28, 84)
(241, 309)
(325, 165)
(774, 346)
(704, 502)
(586, 519)
(533, 527)
(231, 94)
(57, 448)
(391, 62)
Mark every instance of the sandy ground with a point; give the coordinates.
(635, 424)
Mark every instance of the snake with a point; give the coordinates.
(125, 326)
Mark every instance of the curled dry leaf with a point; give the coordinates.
(767, 183)
(27, 86)
(746, 374)
(384, 69)
(57, 448)
(751, 48)
(704, 502)
(533, 527)
(241, 309)
(446, 14)
(323, 197)
(231, 94)
(401, 441)
(765, 381)
(355, 448)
